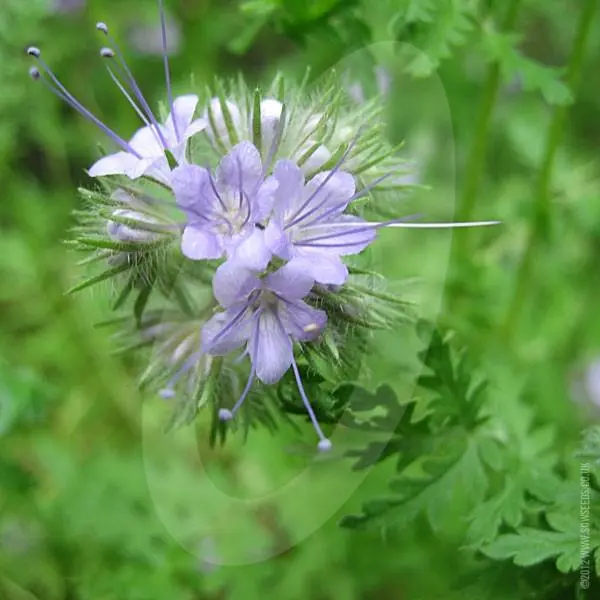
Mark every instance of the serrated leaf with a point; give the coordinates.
(503, 49)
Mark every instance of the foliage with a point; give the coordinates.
(466, 461)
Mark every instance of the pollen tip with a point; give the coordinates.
(107, 53)
(167, 393)
(225, 415)
(34, 51)
(34, 73)
(324, 445)
(103, 27)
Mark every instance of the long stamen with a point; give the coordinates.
(402, 224)
(163, 31)
(57, 88)
(364, 227)
(238, 317)
(215, 190)
(242, 194)
(108, 53)
(342, 205)
(324, 443)
(226, 414)
(169, 390)
(297, 217)
(120, 59)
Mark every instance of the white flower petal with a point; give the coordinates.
(146, 142)
(217, 128)
(316, 160)
(119, 163)
(184, 108)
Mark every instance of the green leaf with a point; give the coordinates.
(503, 49)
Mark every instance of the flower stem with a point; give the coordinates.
(476, 160)
(540, 224)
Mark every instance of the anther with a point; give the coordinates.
(167, 393)
(107, 53)
(33, 51)
(103, 27)
(311, 327)
(34, 73)
(225, 415)
(324, 445)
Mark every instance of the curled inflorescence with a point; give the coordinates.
(241, 207)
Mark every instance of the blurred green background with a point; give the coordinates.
(96, 501)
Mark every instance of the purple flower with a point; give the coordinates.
(223, 211)
(308, 226)
(145, 153)
(266, 316)
(146, 156)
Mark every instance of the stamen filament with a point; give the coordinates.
(405, 225)
(226, 414)
(163, 30)
(122, 63)
(324, 443)
(57, 88)
(298, 217)
(169, 391)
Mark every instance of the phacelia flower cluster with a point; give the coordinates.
(252, 200)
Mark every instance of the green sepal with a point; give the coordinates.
(104, 276)
(257, 121)
(171, 159)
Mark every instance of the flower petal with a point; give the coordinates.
(322, 267)
(217, 128)
(252, 252)
(155, 167)
(289, 192)
(227, 331)
(327, 195)
(292, 281)
(198, 244)
(146, 142)
(270, 348)
(277, 241)
(241, 169)
(337, 238)
(119, 163)
(195, 127)
(262, 203)
(232, 283)
(301, 321)
(184, 108)
(316, 160)
(188, 183)
(270, 115)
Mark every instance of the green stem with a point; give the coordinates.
(475, 166)
(476, 160)
(539, 227)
